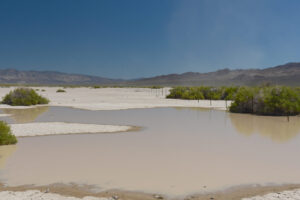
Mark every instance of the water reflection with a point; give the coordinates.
(278, 129)
(5, 152)
(193, 109)
(25, 115)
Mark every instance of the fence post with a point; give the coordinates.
(252, 104)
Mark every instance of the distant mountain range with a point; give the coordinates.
(12, 76)
(288, 74)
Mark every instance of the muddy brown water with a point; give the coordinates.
(177, 152)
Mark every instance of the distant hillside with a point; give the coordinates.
(12, 76)
(288, 74)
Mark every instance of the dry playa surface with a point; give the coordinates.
(115, 98)
(55, 128)
(285, 195)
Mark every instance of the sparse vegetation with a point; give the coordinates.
(60, 90)
(6, 137)
(24, 97)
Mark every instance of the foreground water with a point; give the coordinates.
(178, 151)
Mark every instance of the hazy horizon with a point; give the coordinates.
(134, 39)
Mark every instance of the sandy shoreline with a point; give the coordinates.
(86, 192)
(59, 128)
(35, 194)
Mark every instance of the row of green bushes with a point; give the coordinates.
(203, 92)
(264, 100)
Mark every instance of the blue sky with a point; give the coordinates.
(143, 38)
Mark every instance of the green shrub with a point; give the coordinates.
(60, 90)
(6, 137)
(96, 87)
(243, 101)
(155, 87)
(228, 93)
(279, 101)
(24, 97)
(177, 93)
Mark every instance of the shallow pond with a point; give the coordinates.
(177, 152)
